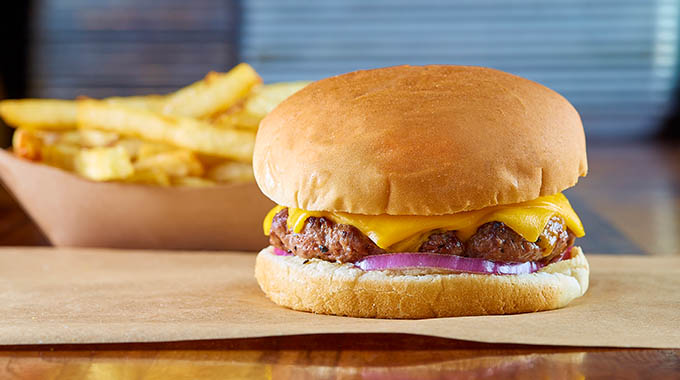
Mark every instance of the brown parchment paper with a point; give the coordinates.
(75, 212)
(50, 295)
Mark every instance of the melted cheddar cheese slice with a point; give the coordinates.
(400, 233)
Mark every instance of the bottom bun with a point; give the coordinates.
(342, 289)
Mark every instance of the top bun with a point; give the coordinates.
(419, 140)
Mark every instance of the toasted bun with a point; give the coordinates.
(342, 289)
(419, 140)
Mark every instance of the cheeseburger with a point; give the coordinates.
(421, 191)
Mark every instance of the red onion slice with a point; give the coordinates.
(441, 261)
(281, 252)
(404, 260)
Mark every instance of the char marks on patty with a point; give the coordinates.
(323, 239)
(498, 242)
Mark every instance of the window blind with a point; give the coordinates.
(615, 60)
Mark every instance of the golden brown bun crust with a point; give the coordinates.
(419, 140)
(342, 289)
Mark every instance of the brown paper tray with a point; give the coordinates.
(76, 212)
(105, 296)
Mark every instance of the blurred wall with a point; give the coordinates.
(123, 47)
(615, 60)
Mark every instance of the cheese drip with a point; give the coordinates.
(401, 233)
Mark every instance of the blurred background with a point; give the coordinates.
(615, 60)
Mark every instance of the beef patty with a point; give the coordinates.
(323, 239)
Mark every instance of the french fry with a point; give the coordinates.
(72, 137)
(60, 114)
(53, 148)
(51, 114)
(148, 149)
(262, 101)
(131, 145)
(209, 161)
(93, 138)
(213, 94)
(267, 97)
(83, 138)
(149, 177)
(62, 156)
(231, 172)
(27, 145)
(147, 102)
(237, 119)
(177, 163)
(60, 151)
(192, 182)
(104, 163)
(187, 133)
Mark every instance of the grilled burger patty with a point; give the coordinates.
(323, 239)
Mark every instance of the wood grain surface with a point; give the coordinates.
(359, 356)
(629, 203)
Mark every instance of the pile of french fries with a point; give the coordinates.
(200, 135)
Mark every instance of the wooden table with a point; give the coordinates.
(629, 203)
